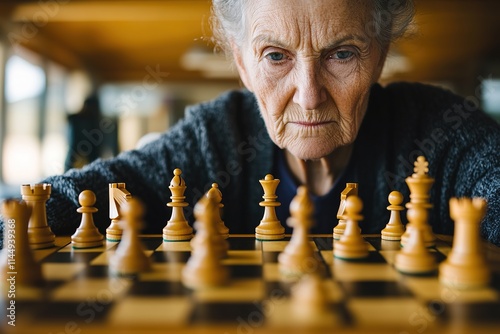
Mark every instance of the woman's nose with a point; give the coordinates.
(309, 91)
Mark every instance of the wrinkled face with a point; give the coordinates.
(310, 64)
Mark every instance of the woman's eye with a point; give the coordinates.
(343, 54)
(275, 56)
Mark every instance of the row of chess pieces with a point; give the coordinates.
(465, 266)
(209, 245)
(308, 305)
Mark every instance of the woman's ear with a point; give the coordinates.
(240, 65)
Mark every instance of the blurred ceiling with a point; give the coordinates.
(119, 40)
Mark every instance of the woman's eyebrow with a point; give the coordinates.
(344, 39)
(266, 39)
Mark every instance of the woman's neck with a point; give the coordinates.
(319, 175)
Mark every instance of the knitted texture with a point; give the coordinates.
(225, 141)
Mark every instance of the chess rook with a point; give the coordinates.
(465, 266)
(87, 235)
(394, 228)
(298, 257)
(39, 233)
(216, 195)
(118, 196)
(270, 227)
(17, 256)
(350, 189)
(420, 184)
(130, 258)
(177, 227)
(351, 245)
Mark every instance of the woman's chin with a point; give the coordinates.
(311, 151)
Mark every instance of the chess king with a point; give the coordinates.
(311, 113)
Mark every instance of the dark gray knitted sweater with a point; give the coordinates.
(225, 141)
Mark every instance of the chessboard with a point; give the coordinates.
(81, 295)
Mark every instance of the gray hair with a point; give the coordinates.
(390, 20)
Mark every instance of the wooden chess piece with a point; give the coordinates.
(465, 266)
(350, 189)
(270, 227)
(351, 245)
(420, 184)
(414, 258)
(394, 228)
(118, 197)
(39, 233)
(177, 228)
(16, 259)
(130, 258)
(310, 305)
(298, 257)
(204, 268)
(87, 235)
(216, 195)
(207, 218)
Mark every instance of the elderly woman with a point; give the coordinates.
(312, 114)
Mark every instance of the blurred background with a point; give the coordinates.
(81, 79)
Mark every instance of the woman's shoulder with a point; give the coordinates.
(229, 116)
(234, 112)
(418, 111)
(432, 103)
(419, 94)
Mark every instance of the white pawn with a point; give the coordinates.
(351, 245)
(414, 258)
(298, 257)
(208, 219)
(309, 303)
(87, 235)
(216, 195)
(130, 258)
(204, 268)
(394, 228)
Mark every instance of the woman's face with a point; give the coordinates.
(310, 64)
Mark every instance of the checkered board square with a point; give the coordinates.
(80, 292)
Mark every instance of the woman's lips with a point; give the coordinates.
(312, 124)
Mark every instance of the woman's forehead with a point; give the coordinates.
(313, 9)
(295, 20)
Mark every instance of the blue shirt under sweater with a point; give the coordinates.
(325, 207)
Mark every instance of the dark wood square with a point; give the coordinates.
(245, 271)
(324, 243)
(249, 314)
(158, 289)
(71, 257)
(242, 243)
(374, 289)
(170, 257)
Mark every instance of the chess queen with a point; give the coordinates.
(312, 112)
